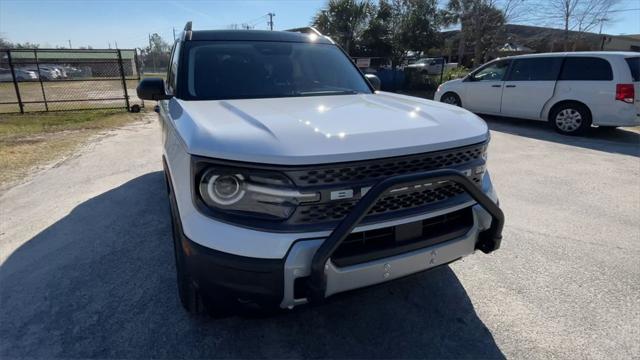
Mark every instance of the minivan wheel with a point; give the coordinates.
(451, 99)
(571, 119)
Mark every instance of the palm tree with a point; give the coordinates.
(344, 21)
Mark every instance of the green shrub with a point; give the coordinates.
(455, 73)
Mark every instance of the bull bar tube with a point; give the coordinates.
(488, 240)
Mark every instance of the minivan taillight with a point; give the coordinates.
(625, 92)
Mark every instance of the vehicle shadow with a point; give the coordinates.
(620, 141)
(99, 283)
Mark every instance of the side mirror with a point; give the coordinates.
(152, 89)
(374, 81)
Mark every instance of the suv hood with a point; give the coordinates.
(322, 129)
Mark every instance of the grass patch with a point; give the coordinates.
(31, 140)
(162, 75)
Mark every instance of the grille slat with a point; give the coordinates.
(370, 170)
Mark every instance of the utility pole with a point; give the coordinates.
(109, 43)
(271, 15)
(116, 44)
(602, 20)
(174, 34)
(69, 44)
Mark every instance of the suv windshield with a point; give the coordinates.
(258, 69)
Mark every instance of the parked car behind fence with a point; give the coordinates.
(21, 75)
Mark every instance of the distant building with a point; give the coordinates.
(525, 39)
(621, 42)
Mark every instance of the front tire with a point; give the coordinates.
(571, 119)
(451, 99)
(193, 300)
(190, 297)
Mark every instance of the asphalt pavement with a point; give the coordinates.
(86, 266)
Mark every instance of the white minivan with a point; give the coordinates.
(570, 90)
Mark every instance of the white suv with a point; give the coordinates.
(570, 90)
(291, 179)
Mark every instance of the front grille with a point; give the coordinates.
(333, 211)
(390, 241)
(357, 176)
(371, 170)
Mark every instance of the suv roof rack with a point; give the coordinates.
(187, 31)
(306, 30)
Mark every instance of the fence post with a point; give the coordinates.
(15, 81)
(137, 62)
(124, 80)
(44, 97)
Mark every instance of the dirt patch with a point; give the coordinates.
(32, 142)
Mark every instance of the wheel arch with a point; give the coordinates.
(557, 104)
(452, 92)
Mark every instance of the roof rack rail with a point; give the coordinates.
(187, 31)
(306, 30)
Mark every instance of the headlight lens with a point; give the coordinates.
(225, 189)
(251, 193)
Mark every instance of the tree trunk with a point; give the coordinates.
(461, 47)
(477, 53)
(566, 30)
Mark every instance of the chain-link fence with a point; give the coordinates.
(66, 79)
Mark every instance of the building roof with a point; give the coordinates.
(257, 35)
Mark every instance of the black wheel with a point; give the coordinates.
(451, 99)
(135, 108)
(217, 303)
(570, 119)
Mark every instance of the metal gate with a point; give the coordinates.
(67, 79)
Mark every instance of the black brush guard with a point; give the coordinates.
(488, 240)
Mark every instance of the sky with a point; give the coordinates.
(101, 24)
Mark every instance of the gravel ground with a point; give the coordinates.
(87, 266)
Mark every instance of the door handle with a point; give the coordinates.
(510, 86)
(496, 85)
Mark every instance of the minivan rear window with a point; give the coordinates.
(634, 67)
(586, 68)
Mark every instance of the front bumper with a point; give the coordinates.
(275, 282)
(341, 279)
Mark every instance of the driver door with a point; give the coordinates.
(483, 88)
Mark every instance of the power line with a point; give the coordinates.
(623, 10)
(256, 19)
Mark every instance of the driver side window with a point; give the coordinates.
(494, 71)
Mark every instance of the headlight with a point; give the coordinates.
(226, 189)
(249, 193)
